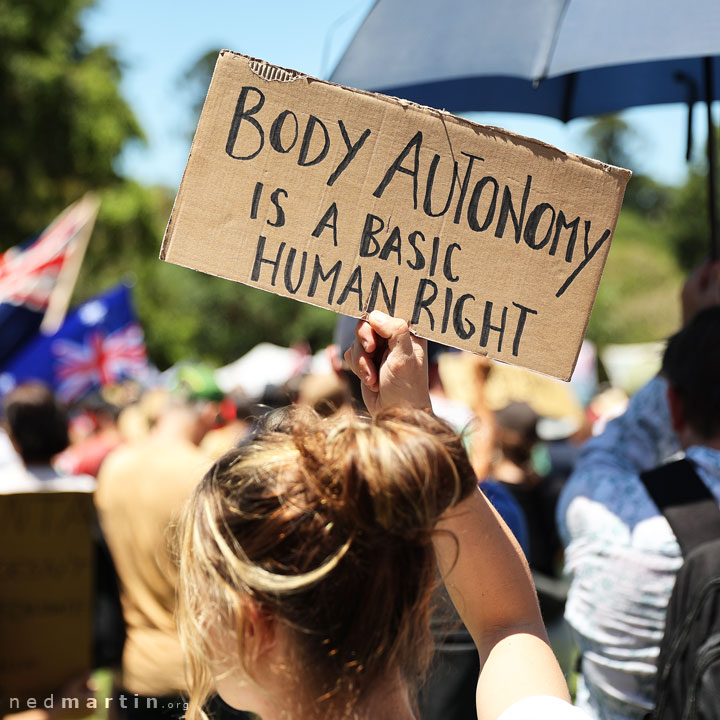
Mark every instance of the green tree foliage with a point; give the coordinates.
(199, 317)
(637, 299)
(613, 140)
(610, 138)
(195, 81)
(688, 216)
(189, 315)
(688, 223)
(63, 124)
(682, 211)
(62, 119)
(186, 315)
(638, 295)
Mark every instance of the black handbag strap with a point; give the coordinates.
(686, 502)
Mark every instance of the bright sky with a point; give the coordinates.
(158, 40)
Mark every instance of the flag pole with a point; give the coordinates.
(60, 296)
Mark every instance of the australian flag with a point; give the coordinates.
(100, 343)
(29, 273)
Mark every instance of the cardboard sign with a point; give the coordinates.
(46, 592)
(480, 238)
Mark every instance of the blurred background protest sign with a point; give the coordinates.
(46, 591)
(481, 239)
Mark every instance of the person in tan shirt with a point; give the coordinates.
(142, 487)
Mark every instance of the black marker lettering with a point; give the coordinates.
(427, 202)
(392, 245)
(589, 255)
(397, 166)
(447, 265)
(487, 326)
(448, 308)
(434, 258)
(257, 193)
(373, 225)
(318, 274)
(259, 260)
(423, 303)
(524, 312)
(241, 114)
(475, 200)
(532, 226)
(288, 271)
(379, 284)
(507, 207)
(353, 285)
(352, 151)
(461, 330)
(463, 190)
(328, 220)
(276, 131)
(279, 212)
(312, 123)
(563, 225)
(419, 262)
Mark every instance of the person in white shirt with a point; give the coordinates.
(620, 551)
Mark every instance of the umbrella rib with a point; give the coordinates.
(553, 44)
(568, 97)
(362, 24)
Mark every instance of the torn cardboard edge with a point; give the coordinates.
(268, 71)
(182, 246)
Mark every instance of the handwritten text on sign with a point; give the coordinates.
(479, 238)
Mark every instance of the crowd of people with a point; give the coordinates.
(365, 546)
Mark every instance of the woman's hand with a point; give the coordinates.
(390, 362)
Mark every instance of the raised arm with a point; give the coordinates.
(482, 566)
(639, 440)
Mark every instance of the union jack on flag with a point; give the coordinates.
(29, 274)
(27, 277)
(98, 361)
(99, 343)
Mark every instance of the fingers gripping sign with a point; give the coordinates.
(390, 362)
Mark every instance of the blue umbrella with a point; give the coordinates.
(561, 58)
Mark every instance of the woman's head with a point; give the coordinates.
(325, 528)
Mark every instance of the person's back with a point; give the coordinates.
(623, 558)
(620, 550)
(142, 488)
